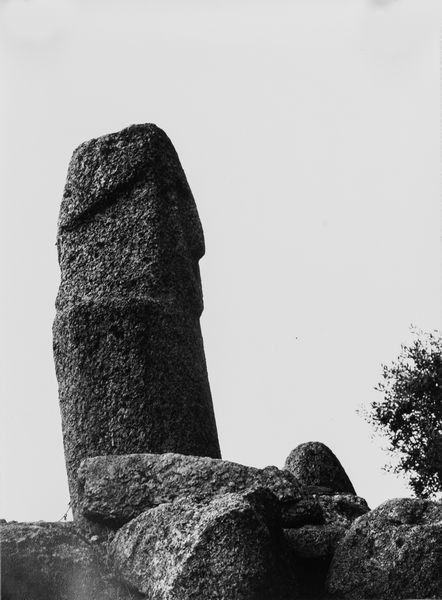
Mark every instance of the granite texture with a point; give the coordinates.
(53, 561)
(315, 465)
(225, 549)
(341, 509)
(310, 547)
(115, 489)
(128, 348)
(392, 552)
(314, 541)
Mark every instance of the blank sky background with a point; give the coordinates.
(310, 135)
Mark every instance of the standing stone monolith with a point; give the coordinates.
(128, 349)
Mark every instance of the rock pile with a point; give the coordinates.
(115, 489)
(158, 514)
(176, 527)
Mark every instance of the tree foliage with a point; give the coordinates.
(410, 414)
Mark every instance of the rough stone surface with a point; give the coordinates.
(51, 561)
(392, 552)
(315, 465)
(115, 489)
(309, 550)
(314, 541)
(128, 348)
(310, 547)
(307, 510)
(342, 509)
(325, 509)
(223, 550)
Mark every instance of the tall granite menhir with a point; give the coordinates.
(127, 341)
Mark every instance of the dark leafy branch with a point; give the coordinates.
(410, 413)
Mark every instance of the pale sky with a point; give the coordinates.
(309, 131)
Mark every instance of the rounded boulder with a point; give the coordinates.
(315, 465)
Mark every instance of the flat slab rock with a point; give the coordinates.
(115, 489)
(225, 549)
(391, 553)
(53, 561)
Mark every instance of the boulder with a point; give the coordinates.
(224, 549)
(392, 552)
(128, 348)
(309, 550)
(52, 561)
(115, 489)
(318, 509)
(311, 547)
(314, 541)
(306, 510)
(333, 516)
(342, 509)
(315, 465)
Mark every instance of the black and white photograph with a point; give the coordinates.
(221, 294)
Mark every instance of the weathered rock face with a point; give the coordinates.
(312, 546)
(393, 552)
(315, 465)
(334, 515)
(127, 342)
(326, 509)
(310, 549)
(115, 489)
(51, 561)
(314, 541)
(221, 550)
(342, 509)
